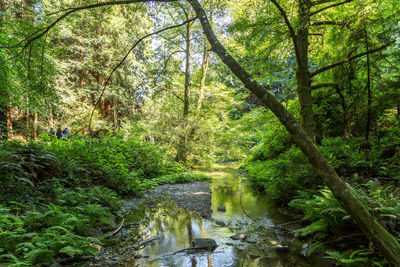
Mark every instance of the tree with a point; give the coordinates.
(342, 191)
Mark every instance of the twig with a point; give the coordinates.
(245, 213)
(260, 222)
(118, 228)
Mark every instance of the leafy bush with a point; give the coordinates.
(323, 210)
(111, 161)
(181, 178)
(280, 178)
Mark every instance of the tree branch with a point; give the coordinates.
(166, 64)
(123, 60)
(320, 2)
(68, 12)
(322, 85)
(166, 89)
(341, 191)
(285, 17)
(335, 23)
(330, 6)
(323, 69)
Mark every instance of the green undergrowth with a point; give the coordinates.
(68, 227)
(181, 178)
(278, 168)
(60, 197)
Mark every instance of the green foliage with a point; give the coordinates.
(323, 210)
(25, 166)
(65, 228)
(351, 260)
(121, 164)
(181, 178)
(280, 178)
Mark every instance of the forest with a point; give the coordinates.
(124, 124)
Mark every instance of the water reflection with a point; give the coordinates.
(172, 229)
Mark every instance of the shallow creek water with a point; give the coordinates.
(167, 229)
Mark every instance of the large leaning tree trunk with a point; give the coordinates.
(342, 191)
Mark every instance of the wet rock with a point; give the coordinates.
(220, 223)
(239, 237)
(206, 243)
(229, 244)
(221, 209)
(251, 240)
(55, 264)
(280, 248)
(109, 263)
(304, 250)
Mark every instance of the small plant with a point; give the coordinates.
(351, 260)
(323, 210)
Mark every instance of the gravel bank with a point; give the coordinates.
(195, 197)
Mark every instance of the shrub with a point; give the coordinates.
(112, 161)
(280, 178)
(181, 178)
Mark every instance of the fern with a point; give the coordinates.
(335, 255)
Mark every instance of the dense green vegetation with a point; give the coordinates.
(142, 89)
(61, 197)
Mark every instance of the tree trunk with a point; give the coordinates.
(346, 195)
(303, 76)
(368, 125)
(181, 155)
(2, 8)
(35, 124)
(204, 68)
(5, 116)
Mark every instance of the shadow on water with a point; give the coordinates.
(166, 230)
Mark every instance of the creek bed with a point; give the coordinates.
(241, 221)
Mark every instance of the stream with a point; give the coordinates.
(161, 233)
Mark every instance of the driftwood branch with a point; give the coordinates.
(123, 60)
(323, 69)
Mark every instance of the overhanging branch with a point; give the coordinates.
(323, 69)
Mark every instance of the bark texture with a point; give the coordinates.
(342, 191)
(303, 75)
